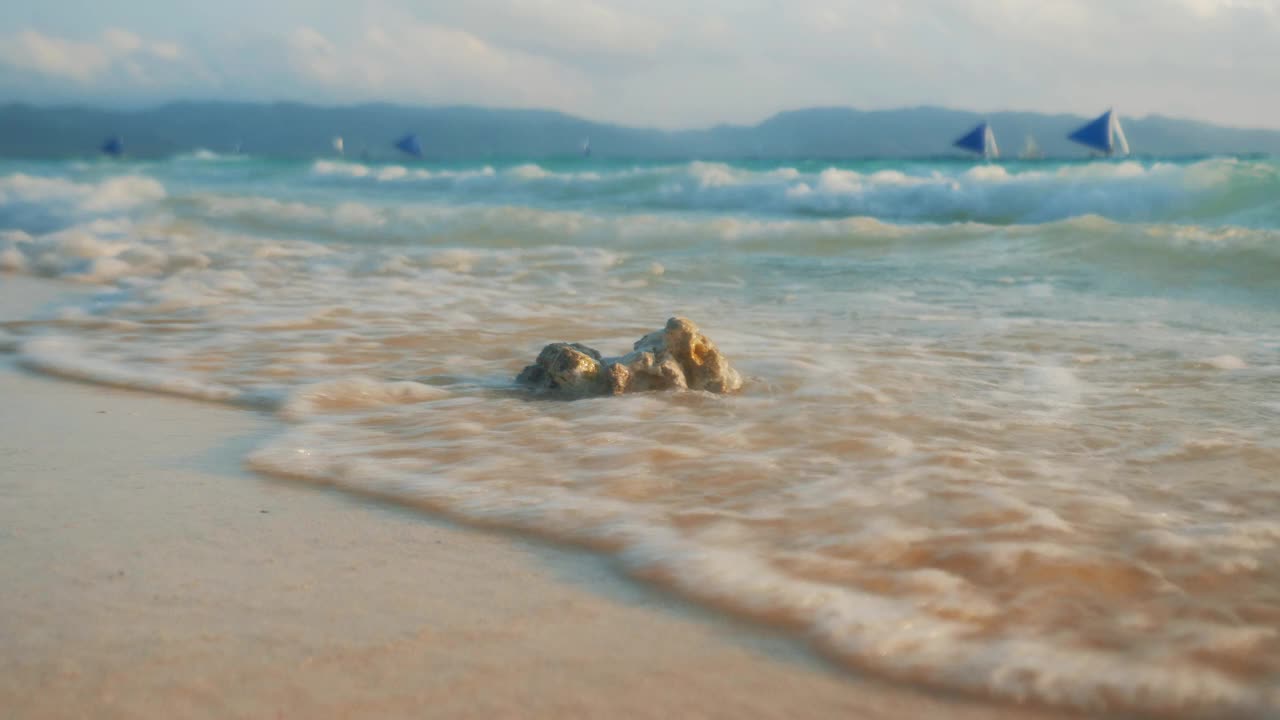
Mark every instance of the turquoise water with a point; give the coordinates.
(1009, 429)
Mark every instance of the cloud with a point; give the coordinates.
(84, 62)
(52, 56)
(566, 27)
(427, 62)
(1210, 8)
(166, 50)
(121, 41)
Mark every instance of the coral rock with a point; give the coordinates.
(677, 357)
(568, 367)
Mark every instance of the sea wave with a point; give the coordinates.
(1215, 191)
(41, 203)
(1028, 459)
(99, 242)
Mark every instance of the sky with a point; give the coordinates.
(664, 63)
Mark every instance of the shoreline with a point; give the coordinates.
(148, 574)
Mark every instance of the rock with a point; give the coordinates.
(677, 357)
(704, 367)
(568, 367)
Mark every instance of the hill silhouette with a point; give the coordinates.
(294, 130)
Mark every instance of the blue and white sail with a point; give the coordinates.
(410, 145)
(1103, 134)
(980, 140)
(113, 146)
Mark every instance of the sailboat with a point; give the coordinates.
(410, 145)
(586, 148)
(113, 146)
(980, 140)
(1030, 150)
(1103, 134)
(337, 145)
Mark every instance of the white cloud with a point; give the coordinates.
(120, 41)
(428, 62)
(1209, 8)
(166, 50)
(84, 62)
(52, 56)
(584, 26)
(308, 39)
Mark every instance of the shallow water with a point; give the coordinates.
(1008, 429)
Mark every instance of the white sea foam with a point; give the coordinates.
(64, 357)
(38, 203)
(115, 193)
(987, 193)
(1226, 362)
(356, 393)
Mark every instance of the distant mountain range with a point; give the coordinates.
(293, 130)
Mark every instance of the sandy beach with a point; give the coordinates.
(146, 574)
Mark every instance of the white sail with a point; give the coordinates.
(1117, 133)
(989, 142)
(1030, 149)
(337, 145)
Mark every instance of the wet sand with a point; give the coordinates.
(145, 574)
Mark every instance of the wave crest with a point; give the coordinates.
(1216, 191)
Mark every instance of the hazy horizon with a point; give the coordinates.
(711, 124)
(661, 65)
(300, 130)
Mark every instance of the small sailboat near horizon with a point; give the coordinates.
(1031, 149)
(586, 147)
(980, 140)
(113, 146)
(338, 146)
(1103, 134)
(410, 145)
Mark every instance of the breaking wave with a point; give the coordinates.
(1216, 191)
(116, 227)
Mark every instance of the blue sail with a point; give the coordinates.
(973, 140)
(113, 146)
(980, 140)
(410, 144)
(1096, 134)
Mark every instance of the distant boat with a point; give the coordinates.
(586, 148)
(113, 146)
(1102, 134)
(1031, 150)
(980, 140)
(337, 145)
(410, 145)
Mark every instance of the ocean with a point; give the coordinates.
(1011, 430)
